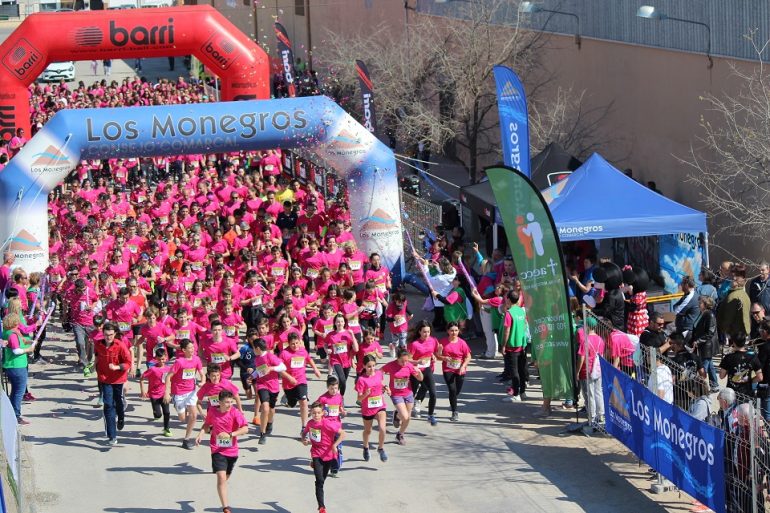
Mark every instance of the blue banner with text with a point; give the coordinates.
(688, 452)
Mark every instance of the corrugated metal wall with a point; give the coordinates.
(615, 20)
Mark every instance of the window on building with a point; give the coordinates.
(299, 7)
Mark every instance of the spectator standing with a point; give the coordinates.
(686, 309)
(733, 314)
(704, 338)
(741, 368)
(759, 287)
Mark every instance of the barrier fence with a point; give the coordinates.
(418, 214)
(746, 432)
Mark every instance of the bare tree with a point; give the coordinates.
(436, 85)
(731, 161)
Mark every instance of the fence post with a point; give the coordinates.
(752, 434)
(585, 362)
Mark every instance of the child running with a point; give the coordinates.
(296, 358)
(267, 368)
(181, 384)
(334, 410)
(423, 349)
(454, 354)
(156, 381)
(324, 437)
(225, 424)
(371, 397)
(209, 391)
(401, 371)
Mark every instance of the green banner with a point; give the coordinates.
(539, 263)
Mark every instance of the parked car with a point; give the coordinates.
(58, 70)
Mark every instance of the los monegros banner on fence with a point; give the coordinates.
(688, 452)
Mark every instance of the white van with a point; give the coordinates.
(58, 70)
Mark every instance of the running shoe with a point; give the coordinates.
(392, 351)
(417, 408)
(99, 401)
(333, 473)
(455, 417)
(284, 401)
(509, 391)
(121, 424)
(366, 454)
(22, 421)
(433, 420)
(262, 439)
(186, 445)
(269, 428)
(167, 433)
(321, 510)
(113, 442)
(400, 439)
(383, 456)
(511, 399)
(396, 420)
(255, 421)
(29, 397)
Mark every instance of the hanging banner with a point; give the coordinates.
(681, 254)
(514, 124)
(686, 451)
(287, 58)
(539, 263)
(367, 97)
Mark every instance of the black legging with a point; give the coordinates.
(519, 373)
(426, 386)
(342, 375)
(321, 470)
(454, 382)
(160, 409)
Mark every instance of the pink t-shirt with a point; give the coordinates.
(321, 435)
(183, 375)
(399, 378)
(265, 377)
(340, 344)
(455, 353)
(220, 353)
(231, 420)
(151, 336)
(375, 401)
(295, 365)
(332, 405)
(156, 381)
(210, 391)
(422, 351)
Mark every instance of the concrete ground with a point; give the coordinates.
(498, 458)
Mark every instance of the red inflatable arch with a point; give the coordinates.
(42, 38)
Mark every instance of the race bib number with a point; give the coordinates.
(382, 288)
(213, 400)
(297, 362)
(124, 326)
(171, 296)
(424, 363)
(262, 371)
(400, 383)
(182, 334)
(218, 358)
(230, 330)
(399, 320)
(269, 167)
(277, 271)
(188, 374)
(133, 248)
(196, 302)
(188, 286)
(368, 305)
(353, 323)
(453, 363)
(196, 266)
(163, 219)
(120, 283)
(257, 301)
(224, 440)
(340, 348)
(355, 265)
(374, 401)
(312, 273)
(328, 329)
(315, 435)
(332, 410)
(83, 306)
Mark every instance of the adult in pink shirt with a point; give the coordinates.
(356, 261)
(220, 350)
(225, 424)
(371, 396)
(270, 164)
(5, 270)
(401, 372)
(378, 273)
(124, 313)
(154, 334)
(313, 261)
(333, 253)
(455, 355)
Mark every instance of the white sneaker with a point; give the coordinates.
(392, 350)
(511, 399)
(417, 408)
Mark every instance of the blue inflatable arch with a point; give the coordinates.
(316, 123)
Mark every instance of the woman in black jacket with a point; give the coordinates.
(704, 338)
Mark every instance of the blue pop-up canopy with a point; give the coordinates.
(598, 201)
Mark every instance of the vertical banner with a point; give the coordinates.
(514, 124)
(688, 452)
(367, 97)
(681, 254)
(537, 255)
(287, 58)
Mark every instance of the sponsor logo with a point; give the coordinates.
(618, 399)
(509, 92)
(346, 143)
(25, 241)
(287, 67)
(368, 121)
(580, 230)
(23, 60)
(7, 121)
(52, 160)
(142, 36)
(221, 50)
(530, 235)
(88, 36)
(379, 225)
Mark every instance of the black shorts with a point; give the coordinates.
(220, 462)
(372, 417)
(296, 394)
(266, 396)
